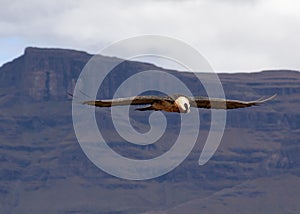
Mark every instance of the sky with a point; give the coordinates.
(233, 35)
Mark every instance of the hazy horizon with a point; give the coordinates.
(164, 64)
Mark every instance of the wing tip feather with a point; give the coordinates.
(262, 99)
(90, 102)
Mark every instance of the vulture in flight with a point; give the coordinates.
(176, 103)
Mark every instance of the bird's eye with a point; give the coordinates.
(186, 106)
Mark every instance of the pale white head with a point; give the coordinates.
(183, 104)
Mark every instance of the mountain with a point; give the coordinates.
(261, 195)
(43, 169)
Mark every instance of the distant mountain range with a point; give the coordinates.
(256, 169)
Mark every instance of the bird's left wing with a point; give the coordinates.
(137, 100)
(215, 103)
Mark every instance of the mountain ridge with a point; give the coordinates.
(43, 168)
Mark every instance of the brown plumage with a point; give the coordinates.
(176, 103)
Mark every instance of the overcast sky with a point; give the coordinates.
(234, 35)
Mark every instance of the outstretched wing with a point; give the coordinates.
(137, 100)
(215, 103)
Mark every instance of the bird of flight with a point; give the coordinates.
(176, 103)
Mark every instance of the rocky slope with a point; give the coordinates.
(43, 169)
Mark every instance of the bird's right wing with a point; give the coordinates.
(216, 103)
(137, 100)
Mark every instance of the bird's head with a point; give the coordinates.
(183, 104)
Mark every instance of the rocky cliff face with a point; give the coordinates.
(43, 168)
(43, 74)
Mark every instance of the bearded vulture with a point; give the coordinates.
(176, 103)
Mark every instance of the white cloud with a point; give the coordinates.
(234, 35)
